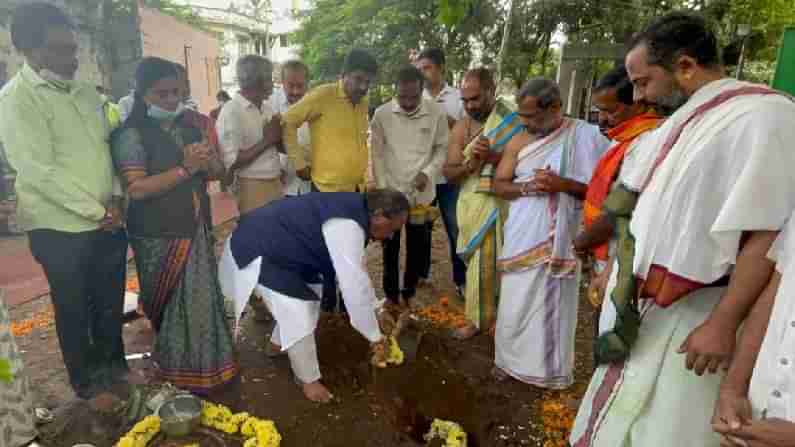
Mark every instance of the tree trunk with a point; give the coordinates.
(506, 34)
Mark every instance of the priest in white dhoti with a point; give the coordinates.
(708, 198)
(756, 406)
(284, 249)
(544, 173)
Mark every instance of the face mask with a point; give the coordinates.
(55, 79)
(161, 114)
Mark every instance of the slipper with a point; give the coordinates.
(274, 351)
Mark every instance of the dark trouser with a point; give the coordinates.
(418, 239)
(86, 272)
(446, 199)
(330, 301)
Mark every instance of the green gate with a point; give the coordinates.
(784, 78)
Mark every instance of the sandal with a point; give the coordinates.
(273, 351)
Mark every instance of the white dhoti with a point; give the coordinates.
(641, 402)
(537, 321)
(296, 320)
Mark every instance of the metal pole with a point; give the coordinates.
(741, 61)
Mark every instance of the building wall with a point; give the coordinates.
(166, 37)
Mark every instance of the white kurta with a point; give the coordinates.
(729, 172)
(772, 390)
(537, 314)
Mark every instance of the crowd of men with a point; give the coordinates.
(680, 198)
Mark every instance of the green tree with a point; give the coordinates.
(389, 29)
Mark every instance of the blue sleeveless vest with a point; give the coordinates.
(288, 235)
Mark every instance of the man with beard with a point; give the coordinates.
(545, 177)
(627, 122)
(710, 190)
(475, 147)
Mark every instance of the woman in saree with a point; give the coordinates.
(163, 156)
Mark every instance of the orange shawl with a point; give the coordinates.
(607, 169)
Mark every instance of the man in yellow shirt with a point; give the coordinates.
(338, 122)
(337, 117)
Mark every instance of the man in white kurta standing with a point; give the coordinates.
(295, 83)
(408, 146)
(710, 196)
(545, 177)
(248, 130)
(285, 248)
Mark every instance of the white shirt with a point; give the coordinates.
(125, 106)
(403, 145)
(449, 98)
(294, 186)
(240, 126)
(773, 381)
(345, 241)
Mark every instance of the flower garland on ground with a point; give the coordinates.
(257, 432)
(39, 320)
(441, 315)
(557, 416)
(143, 432)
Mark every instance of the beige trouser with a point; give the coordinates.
(254, 193)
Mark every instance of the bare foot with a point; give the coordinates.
(466, 332)
(317, 392)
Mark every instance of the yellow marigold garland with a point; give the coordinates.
(141, 433)
(450, 432)
(258, 432)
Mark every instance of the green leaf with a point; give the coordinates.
(5, 371)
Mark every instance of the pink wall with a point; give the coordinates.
(166, 37)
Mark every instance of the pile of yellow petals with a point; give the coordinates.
(393, 356)
(450, 432)
(143, 432)
(558, 419)
(259, 433)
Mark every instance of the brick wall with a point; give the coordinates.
(164, 36)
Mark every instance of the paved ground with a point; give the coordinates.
(22, 278)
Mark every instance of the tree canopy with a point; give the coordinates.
(470, 31)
